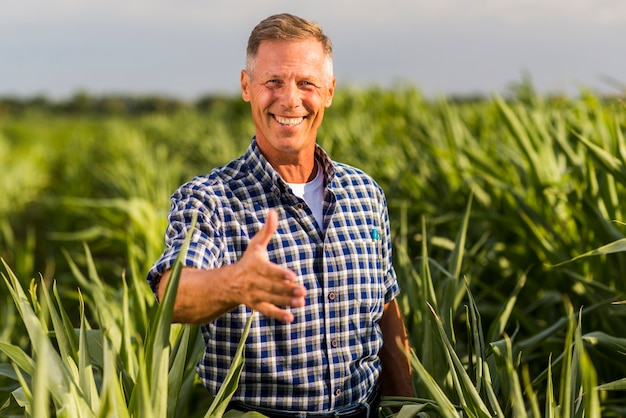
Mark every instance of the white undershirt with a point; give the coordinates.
(313, 194)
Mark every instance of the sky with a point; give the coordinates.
(192, 48)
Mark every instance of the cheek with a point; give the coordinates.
(262, 100)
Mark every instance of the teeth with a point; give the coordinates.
(289, 121)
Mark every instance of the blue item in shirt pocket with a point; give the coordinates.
(375, 233)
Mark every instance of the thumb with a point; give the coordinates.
(263, 237)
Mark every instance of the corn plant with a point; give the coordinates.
(488, 374)
(544, 177)
(134, 364)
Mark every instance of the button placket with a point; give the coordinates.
(334, 331)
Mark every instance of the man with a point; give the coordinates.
(300, 239)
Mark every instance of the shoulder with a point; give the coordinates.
(222, 181)
(233, 172)
(350, 176)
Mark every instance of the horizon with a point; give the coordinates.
(193, 49)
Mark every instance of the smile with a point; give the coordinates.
(288, 121)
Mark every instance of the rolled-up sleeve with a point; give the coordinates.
(204, 247)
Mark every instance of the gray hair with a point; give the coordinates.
(286, 27)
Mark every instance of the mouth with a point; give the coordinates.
(286, 121)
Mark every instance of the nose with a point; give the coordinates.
(291, 96)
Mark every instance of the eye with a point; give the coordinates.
(273, 83)
(307, 84)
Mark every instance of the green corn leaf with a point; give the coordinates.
(551, 405)
(153, 379)
(513, 391)
(613, 164)
(455, 288)
(469, 397)
(445, 407)
(568, 369)
(614, 247)
(96, 294)
(19, 357)
(112, 399)
(608, 345)
(229, 386)
(23, 395)
(58, 379)
(141, 397)
(492, 398)
(504, 314)
(6, 369)
(615, 385)
(589, 378)
(86, 378)
(127, 348)
(38, 336)
(68, 325)
(65, 337)
(40, 399)
(410, 411)
(483, 377)
(177, 367)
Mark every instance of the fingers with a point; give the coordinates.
(270, 296)
(278, 295)
(266, 286)
(263, 237)
(273, 311)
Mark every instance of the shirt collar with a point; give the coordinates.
(263, 171)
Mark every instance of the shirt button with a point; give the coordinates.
(333, 343)
(331, 296)
(337, 392)
(299, 206)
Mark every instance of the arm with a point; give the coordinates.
(396, 369)
(204, 295)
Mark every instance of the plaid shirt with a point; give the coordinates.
(328, 357)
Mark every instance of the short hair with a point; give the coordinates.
(286, 27)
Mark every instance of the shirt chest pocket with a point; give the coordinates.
(363, 263)
(365, 278)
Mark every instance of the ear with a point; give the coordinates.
(245, 86)
(331, 92)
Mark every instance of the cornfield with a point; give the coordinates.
(508, 227)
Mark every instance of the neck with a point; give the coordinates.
(293, 167)
(297, 174)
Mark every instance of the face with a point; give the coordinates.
(288, 92)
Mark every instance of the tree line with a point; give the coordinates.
(83, 103)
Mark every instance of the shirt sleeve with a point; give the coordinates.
(204, 247)
(391, 282)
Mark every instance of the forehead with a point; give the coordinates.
(303, 54)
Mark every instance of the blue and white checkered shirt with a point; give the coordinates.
(328, 357)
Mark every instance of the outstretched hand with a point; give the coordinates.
(265, 286)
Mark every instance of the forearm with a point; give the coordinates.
(202, 295)
(396, 369)
(205, 295)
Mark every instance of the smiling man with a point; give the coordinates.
(302, 240)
